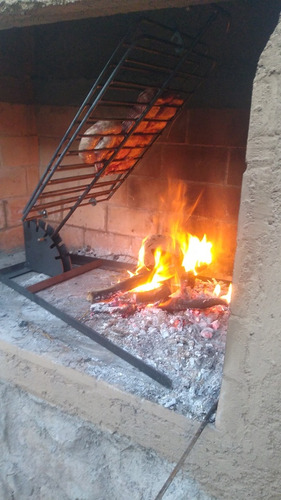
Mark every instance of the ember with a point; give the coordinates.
(168, 315)
(187, 345)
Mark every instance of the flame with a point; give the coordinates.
(182, 250)
(196, 253)
(227, 297)
(161, 272)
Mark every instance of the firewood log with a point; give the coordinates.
(122, 286)
(179, 304)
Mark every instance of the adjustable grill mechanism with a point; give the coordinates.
(149, 78)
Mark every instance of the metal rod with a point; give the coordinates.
(187, 451)
(156, 375)
(41, 184)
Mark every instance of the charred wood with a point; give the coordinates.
(122, 286)
(179, 304)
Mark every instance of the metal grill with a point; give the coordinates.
(151, 75)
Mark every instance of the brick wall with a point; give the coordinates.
(18, 169)
(203, 148)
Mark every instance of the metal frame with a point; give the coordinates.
(6, 277)
(151, 56)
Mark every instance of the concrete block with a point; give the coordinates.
(53, 121)
(73, 237)
(131, 222)
(195, 163)
(120, 197)
(2, 215)
(12, 182)
(32, 177)
(90, 217)
(142, 192)
(220, 201)
(236, 167)
(11, 239)
(14, 208)
(177, 130)
(17, 120)
(220, 127)
(150, 165)
(108, 243)
(19, 151)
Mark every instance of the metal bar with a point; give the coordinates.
(51, 204)
(41, 185)
(15, 270)
(184, 456)
(60, 278)
(49, 194)
(156, 375)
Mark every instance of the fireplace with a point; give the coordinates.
(205, 148)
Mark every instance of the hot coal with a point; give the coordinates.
(188, 345)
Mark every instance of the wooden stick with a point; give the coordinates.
(178, 304)
(122, 286)
(152, 296)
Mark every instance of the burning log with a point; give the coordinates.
(152, 296)
(175, 304)
(122, 286)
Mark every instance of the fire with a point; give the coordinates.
(161, 271)
(196, 253)
(176, 252)
(227, 296)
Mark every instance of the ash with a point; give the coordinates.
(188, 346)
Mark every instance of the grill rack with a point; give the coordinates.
(151, 58)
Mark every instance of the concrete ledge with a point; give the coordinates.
(96, 401)
(16, 13)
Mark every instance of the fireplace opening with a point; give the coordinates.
(202, 151)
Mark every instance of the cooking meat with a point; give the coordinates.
(98, 140)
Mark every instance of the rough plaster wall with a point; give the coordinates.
(247, 453)
(47, 454)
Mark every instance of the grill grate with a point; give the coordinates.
(146, 82)
(151, 75)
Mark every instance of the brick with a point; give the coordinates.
(131, 222)
(195, 163)
(72, 237)
(17, 119)
(150, 165)
(120, 197)
(176, 131)
(145, 193)
(11, 239)
(237, 166)
(12, 182)
(14, 208)
(2, 215)
(90, 217)
(47, 147)
(106, 243)
(19, 151)
(221, 127)
(53, 121)
(219, 202)
(32, 177)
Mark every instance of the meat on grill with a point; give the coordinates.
(100, 140)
